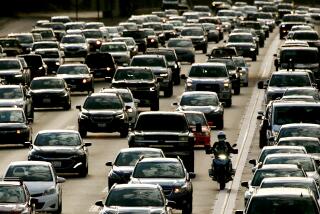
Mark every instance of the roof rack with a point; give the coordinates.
(19, 179)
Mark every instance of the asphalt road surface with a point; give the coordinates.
(80, 194)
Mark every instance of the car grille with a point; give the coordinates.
(161, 137)
(105, 119)
(208, 87)
(72, 49)
(167, 190)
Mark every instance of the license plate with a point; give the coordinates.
(56, 163)
(46, 100)
(101, 125)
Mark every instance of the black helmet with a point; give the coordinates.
(221, 136)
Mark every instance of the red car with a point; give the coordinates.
(202, 137)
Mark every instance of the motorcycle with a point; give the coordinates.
(220, 170)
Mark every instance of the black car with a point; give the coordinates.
(103, 112)
(14, 126)
(17, 95)
(77, 76)
(288, 21)
(139, 37)
(126, 160)
(52, 57)
(11, 46)
(166, 130)
(50, 92)
(26, 40)
(197, 36)
(135, 198)
(36, 65)
(94, 38)
(142, 83)
(172, 59)
(65, 149)
(171, 175)
(101, 64)
(13, 72)
(244, 44)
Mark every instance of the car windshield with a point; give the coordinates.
(57, 139)
(33, 60)
(44, 45)
(11, 116)
(240, 38)
(9, 64)
(73, 39)
(47, 84)
(125, 74)
(296, 114)
(11, 93)
(168, 27)
(92, 34)
(228, 62)
(73, 70)
(208, 71)
(135, 197)
(266, 152)
(25, 38)
(194, 119)
(30, 172)
(134, 34)
(305, 36)
(311, 146)
(278, 204)
(9, 43)
(259, 175)
(100, 60)
(158, 170)
(130, 158)
(12, 194)
(180, 43)
(308, 92)
(290, 80)
(126, 97)
(305, 162)
(148, 62)
(163, 123)
(199, 100)
(309, 185)
(102, 102)
(192, 32)
(113, 48)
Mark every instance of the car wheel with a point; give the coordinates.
(229, 103)
(83, 132)
(83, 172)
(169, 91)
(59, 210)
(254, 58)
(124, 132)
(67, 106)
(204, 50)
(245, 84)
(187, 209)
(236, 91)
(220, 125)
(155, 104)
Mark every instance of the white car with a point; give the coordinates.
(42, 182)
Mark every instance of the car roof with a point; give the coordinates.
(297, 155)
(285, 72)
(291, 125)
(210, 64)
(47, 78)
(294, 103)
(298, 48)
(163, 160)
(161, 113)
(29, 163)
(135, 149)
(58, 131)
(10, 86)
(98, 94)
(278, 166)
(288, 179)
(299, 138)
(136, 186)
(281, 147)
(284, 192)
(11, 109)
(198, 92)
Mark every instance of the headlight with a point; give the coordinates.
(63, 94)
(222, 156)
(180, 189)
(85, 80)
(164, 75)
(108, 68)
(50, 191)
(84, 116)
(152, 89)
(226, 84)
(20, 131)
(98, 42)
(130, 110)
(57, 63)
(252, 49)
(183, 138)
(152, 40)
(18, 75)
(120, 116)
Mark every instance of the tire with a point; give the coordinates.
(229, 103)
(169, 91)
(222, 185)
(220, 125)
(204, 50)
(59, 210)
(177, 80)
(254, 58)
(187, 209)
(155, 104)
(83, 132)
(83, 172)
(245, 84)
(124, 132)
(67, 106)
(236, 91)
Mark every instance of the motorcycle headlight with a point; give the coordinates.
(50, 191)
(222, 156)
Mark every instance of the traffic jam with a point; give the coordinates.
(126, 76)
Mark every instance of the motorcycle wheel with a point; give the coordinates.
(222, 185)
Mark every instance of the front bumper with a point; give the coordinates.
(45, 100)
(12, 136)
(47, 203)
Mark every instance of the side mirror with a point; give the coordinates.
(276, 63)
(234, 145)
(198, 127)
(99, 203)
(27, 144)
(271, 139)
(245, 184)
(54, 72)
(79, 107)
(171, 203)
(260, 115)
(183, 76)
(261, 84)
(253, 162)
(60, 180)
(109, 163)
(30, 120)
(239, 69)
(175, 104)
(87, 144)
(192, 175)
(235, 151)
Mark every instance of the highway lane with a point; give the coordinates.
(79, 194)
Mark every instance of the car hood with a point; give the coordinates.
(160, 133)
(208, 79)
(240, 44)
(106, 112)
(11, 102)
(123, 169)
(10, 72)
(74, 45)
(161, 181)
(11, 208)
(73, 76)
(47, 91)
(56, 149)
(132, 210)
(204, 109)
(51, 59)
(12, 126)
(36, 187)
(120, 53)
(274, 89)
(125, 82)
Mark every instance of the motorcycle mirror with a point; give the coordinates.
(235, 151)
(245, 184)
(234, 145)
(192, 175)
(253, 162)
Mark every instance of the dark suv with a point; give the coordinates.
(103, 112)
(139, 36)
(165, 130)
(171, 175)
(142, 83)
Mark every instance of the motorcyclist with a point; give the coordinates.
(223, 147)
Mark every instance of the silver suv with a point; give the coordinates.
(210, 77)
